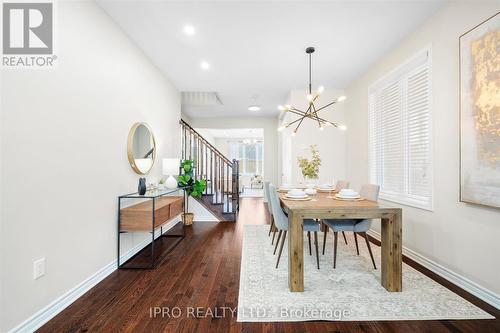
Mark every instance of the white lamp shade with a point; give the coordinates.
(170, 166)
(143, 164)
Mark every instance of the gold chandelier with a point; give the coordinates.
(312, 110)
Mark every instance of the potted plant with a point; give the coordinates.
(193, 186)
(310, 168)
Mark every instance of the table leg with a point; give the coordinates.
(391, 253)
(295, 252)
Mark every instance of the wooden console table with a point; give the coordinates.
(156, 209)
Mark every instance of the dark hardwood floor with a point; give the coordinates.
(203, 272)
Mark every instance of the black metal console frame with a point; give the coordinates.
(152, 195)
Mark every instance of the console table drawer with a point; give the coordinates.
(138, 217)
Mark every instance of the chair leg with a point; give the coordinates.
(277, 241)
(324, 238)
(271, 226)
(356, 240)
(345, 239)
(281, 249)
(274, 234)
(369, 249)
(317, 250)
(309, 238)
(335, 239)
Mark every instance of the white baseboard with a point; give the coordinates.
(471, 287)
(55, 307)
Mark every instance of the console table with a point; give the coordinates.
(154, 210)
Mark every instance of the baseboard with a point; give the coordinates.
(471, 287)
(50, 311)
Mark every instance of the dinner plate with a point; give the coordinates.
(341, 197)
(297, 199)
(296, 196)
(319, 189)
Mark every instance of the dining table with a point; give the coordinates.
(326, 206)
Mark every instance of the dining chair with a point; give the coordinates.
(341, 184)
(369, 192)
(281, 223)
(272, 228)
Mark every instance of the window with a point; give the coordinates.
(400, 133)
(249, 154)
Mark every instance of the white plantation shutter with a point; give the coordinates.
(400, 134)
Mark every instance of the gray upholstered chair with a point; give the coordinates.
(341, 184)
(272, 228)
(281, 223)
(369, 192)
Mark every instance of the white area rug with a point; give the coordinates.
(351, 292)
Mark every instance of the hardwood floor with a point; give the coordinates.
(203, 272)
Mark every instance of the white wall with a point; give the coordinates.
(331, 141)
(459, 236)
(64, 131)
(270, 136)
(206, 134)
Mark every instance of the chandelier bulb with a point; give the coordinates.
(341, 99)
(320, 90)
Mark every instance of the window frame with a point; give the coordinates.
(404, 70)
(259, 157)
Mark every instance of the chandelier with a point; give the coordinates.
(312, 110)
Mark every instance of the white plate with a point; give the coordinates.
(296, 196)
(348, 196)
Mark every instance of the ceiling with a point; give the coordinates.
(255, 49)
(234, 133)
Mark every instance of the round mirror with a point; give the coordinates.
(141, 149)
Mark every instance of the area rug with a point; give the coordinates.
(351, 292)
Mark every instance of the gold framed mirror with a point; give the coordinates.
(141, 148)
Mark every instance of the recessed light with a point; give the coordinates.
(205, 65)
(254, 108)
(189, 30)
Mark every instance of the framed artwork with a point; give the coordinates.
(480, 114)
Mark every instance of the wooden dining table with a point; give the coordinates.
(324, 206)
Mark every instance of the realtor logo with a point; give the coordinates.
(27, 28)
(28, 35)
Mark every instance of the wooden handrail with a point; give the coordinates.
(215, 150)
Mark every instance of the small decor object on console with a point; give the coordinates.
(142, 186)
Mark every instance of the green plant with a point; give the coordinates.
(193, 186)
(310, 168)
(162, 181)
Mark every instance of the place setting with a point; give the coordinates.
(347, 194)
(326, 188)
(297, 195)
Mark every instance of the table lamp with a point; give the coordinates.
(170, 167)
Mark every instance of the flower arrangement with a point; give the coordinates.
(310, 168)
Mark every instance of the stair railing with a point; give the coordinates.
(222, 174)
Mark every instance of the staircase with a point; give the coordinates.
(221, 196)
